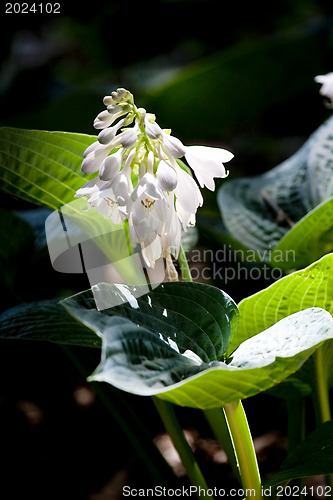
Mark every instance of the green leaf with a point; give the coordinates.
(309, 287)
(307, 241)
(45, 320)
(195, 316)
(169, 344)
(261, 212)
(312, 457)
(42, 167)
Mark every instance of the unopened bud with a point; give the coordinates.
(152, 129)
(110, 167)
(166, 176)
(173, 146)
(103, 120)
(130, 137)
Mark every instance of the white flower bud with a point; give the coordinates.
(114, 108)
(110, 166)
(122, 95)
(166, 176)
(130, 137)
(108, 100)
(95, 146)
(106, 135)
(152, 129)
(104, 119)
(173, 146)
(150, 162)
(91, 163)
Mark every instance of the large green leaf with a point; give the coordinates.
(42, 167)
(263, 210)
(308, 240)
(309, 287)
(45, 320)
(169, 343)
(198, 317)
(312, 457)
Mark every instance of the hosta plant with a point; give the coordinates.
(124, 203)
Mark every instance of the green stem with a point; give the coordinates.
(128, 236)
(176, 433)
(321, 396)
(218, 423)
(322, 393)
(184, 267)
(244, 449)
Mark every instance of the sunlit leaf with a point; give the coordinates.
(309, 287)
(42, 167)
(166, 344)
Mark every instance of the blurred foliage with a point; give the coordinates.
(211, 71)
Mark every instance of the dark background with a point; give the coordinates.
(231, 74)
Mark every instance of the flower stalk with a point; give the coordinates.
(321, 397)
(218, 423)
(322, 401)
(183, 264)
(244, 449)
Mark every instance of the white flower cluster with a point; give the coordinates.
(139, 178)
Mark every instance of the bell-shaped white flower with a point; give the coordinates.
(108, 198)
(105, 204)
(151, 249)
(90, 187)
(148, 208)
(207, 163)
(187, 192)
(171, 238)
(327, 85)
